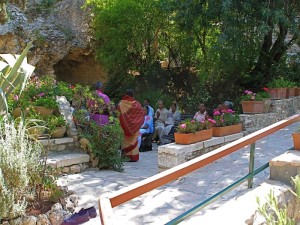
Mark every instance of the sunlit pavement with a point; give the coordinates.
(165, 203)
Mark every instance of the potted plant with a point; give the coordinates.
(256, 102)
(42, 94)
(226, 123)
(35, 125)
(278, 88)
(292, 87)
(18, 106)
(57, 126)
(190, 131)
(45, 105)
(296, 139)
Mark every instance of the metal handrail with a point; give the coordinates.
(108, 201)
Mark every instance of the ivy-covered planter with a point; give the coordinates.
(186, 139)
(228, 130)
(251, 107)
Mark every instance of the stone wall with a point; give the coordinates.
(279, 110)
(62, 39)
(173, 154)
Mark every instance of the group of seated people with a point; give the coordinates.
(165, 119)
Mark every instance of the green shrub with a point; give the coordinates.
(19, 161)
(281, 83)
(105, 143)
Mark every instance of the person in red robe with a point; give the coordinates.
(131, 119)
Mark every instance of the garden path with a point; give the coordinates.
(163, 204)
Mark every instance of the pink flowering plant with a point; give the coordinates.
(252, 96)
(41, 92)
(193, 126)
(226, 117)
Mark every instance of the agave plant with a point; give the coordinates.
(14, 72)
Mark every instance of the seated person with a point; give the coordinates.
(166, 129)
(218, 109)
(161, 116)
(147, 126)
(201, 115)
(227, 105)
(175, 112)
(151, 110)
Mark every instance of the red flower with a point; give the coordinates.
(265, 89)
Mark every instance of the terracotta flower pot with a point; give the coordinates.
(297, 92)
(296, 139)
(277, 93)
(190, 138)
(267, 104)
(228, 130)
(43, 111)
(59, 132)
(290, 92)
(253, 106)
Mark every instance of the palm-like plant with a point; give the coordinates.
(14, 72)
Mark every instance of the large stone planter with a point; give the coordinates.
(228, 130)
(296, 139)
(252, 107)
(277, 93)
(186, 139)
(59, 132)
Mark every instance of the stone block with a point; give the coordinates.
(285, 166)
(213, 141)
(176, 149)
(233, 137)
(75, 169)
(67, 159)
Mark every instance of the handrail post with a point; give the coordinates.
(251, 165)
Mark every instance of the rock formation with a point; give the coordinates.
(61, 39)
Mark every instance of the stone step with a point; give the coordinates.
(68, 161)
(243, 209)
(60, 144)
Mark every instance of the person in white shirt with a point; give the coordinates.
(161, 116)
(201, 115)
(175, 112)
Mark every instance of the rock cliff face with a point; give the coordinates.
(61, 39)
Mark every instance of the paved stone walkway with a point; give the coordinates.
(163, 204)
